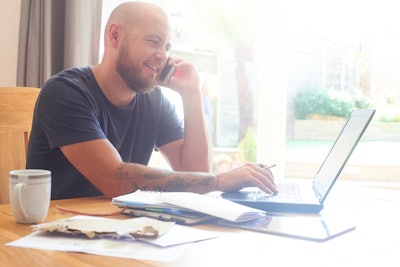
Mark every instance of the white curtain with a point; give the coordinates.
(56, 35)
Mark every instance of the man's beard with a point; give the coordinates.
(130, 73)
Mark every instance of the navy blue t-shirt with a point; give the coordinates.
(72, 108)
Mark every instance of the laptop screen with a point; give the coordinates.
(341, 151)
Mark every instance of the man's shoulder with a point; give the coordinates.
(78, 78)
(73, 76)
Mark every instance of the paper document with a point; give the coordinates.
(206, 204)
(113, 228)
(143, 199)
(217, 207)
(166, 247)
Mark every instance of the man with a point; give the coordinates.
(95, 127)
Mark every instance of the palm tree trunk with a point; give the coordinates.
(244, 92)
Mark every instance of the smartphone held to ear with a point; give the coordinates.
(167, 73)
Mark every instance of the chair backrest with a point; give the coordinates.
(16, 113)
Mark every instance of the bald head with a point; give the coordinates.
(129, 14)
(136, 43)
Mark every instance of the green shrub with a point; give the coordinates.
(311, 100)
(248, 147)
(340, 104)
(320, 101)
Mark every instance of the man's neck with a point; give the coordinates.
(113, 86)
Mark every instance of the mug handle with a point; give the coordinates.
(17, 199)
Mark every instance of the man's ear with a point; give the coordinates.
(114, 35)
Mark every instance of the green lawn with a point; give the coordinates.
(299, 144)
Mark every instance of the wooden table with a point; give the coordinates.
(376, 240)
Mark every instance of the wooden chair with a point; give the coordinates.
(16, 112)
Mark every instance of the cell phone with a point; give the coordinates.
(167, 73)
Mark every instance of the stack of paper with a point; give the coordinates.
(168, 246)
(213, 206)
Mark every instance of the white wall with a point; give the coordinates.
(9, 30)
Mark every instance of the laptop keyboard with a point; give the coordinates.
(288, 192)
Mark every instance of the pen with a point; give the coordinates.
(266, 167)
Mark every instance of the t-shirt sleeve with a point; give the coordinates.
(67, 115)
(171, 128)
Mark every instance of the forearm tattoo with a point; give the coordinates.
(136, 176)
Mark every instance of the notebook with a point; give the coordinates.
(145, 204)
(178, 216)
(309, 198)
(184, 207)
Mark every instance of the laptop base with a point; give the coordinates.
(240, 197)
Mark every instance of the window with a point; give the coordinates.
(267, 64)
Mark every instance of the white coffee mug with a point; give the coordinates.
(30, 194)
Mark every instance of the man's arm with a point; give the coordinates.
(193, 152)
(101, 164)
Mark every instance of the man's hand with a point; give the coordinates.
(249, 174)
(186, 79)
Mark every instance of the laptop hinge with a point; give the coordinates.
(316, 191)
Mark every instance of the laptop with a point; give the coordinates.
(305, 197)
